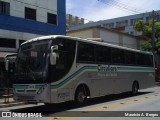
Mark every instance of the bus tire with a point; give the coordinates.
(135, 88)
(80, 97)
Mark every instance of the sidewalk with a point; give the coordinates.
(10, 103)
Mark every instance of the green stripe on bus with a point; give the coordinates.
(132, 68)
(74, 75)
(95, 68)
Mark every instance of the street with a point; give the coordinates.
(147, 101)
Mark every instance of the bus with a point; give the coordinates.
(57, 68)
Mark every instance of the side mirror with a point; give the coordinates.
(7, 65)
(54, 48)
(53, 55)
(53, 58)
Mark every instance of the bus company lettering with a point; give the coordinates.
(107, 68)
(107, 71)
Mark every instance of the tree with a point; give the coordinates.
(146, 46)
(146, 30)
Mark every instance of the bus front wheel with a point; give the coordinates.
(80, 96)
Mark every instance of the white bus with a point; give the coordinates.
(54, 69)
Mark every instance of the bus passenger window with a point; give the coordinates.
(117, 56)
(85, 53)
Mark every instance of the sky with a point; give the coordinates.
(95, 10)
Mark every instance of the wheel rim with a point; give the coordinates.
(81, 97)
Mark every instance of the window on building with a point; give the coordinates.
(7, 43)
(147, 19)
(30, 13)
(4, 8)
(133, 21)
(108, 25)
(52, 18)
(132, 33)
(122, 23)
(158, 18)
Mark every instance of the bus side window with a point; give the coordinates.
(129, 58)
(102, 54)
(140, 61)
(85, 53)
(148, 60)
(117, 56)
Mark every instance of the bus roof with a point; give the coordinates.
(84, 40)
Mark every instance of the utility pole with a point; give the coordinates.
(153, 42)
(153, 32)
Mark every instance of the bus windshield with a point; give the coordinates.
(31, 60)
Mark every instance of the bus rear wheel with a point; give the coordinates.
(80, 97)
(135, 88)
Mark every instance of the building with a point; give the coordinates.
(123, 24)
(108, 36)
(73, 20)
(21, 20)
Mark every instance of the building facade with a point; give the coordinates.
(123, 24)
(109, 36)
(73, 20)
(21, 20)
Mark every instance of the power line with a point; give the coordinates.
(129, 7)
(116, 5)
(121, 6)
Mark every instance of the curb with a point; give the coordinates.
(12, 104)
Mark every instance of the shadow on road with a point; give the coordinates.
(47, 110)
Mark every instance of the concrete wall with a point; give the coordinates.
(108, 36)
(130, 42)
(15, 26)
(87, 33)
(120, 39)
(17, 36)
(17, 22)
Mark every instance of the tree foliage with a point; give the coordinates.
(146, 46)
(146, 30)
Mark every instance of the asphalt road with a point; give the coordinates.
(146, 105)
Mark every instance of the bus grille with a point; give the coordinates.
(25, 97)
(21, 91)
(27, 91)
(31, 91)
